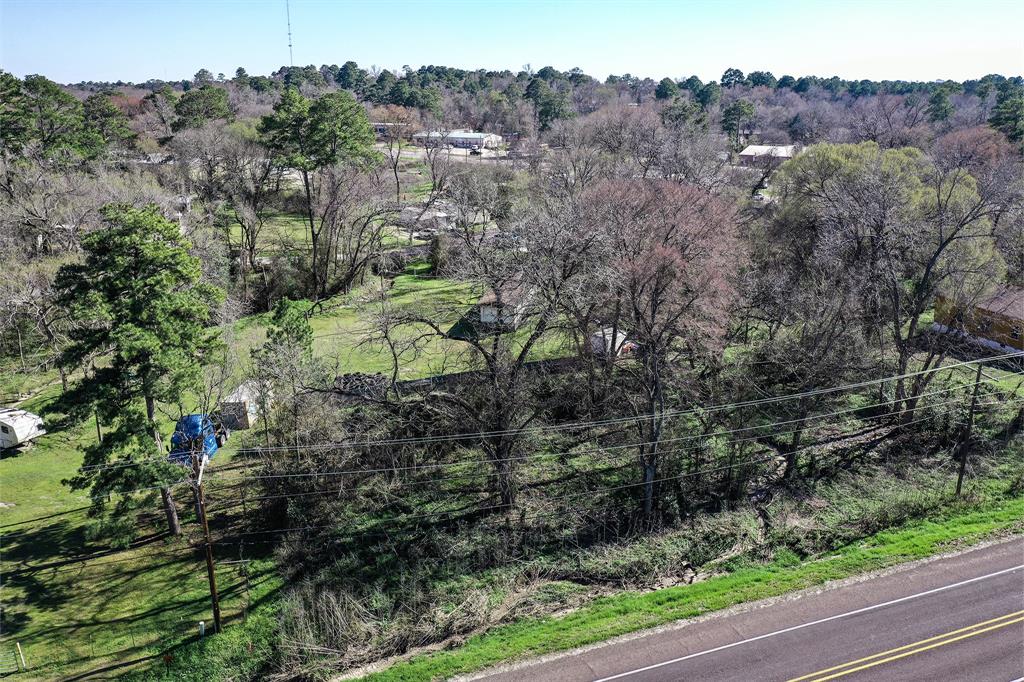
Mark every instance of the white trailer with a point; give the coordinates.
(18, 427)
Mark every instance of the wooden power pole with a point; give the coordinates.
(965, 441)
(197, 483)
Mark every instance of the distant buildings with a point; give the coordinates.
(465, 139)
(759, 154)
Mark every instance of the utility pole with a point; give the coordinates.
(967, 433)
(288, 13)
(197, 483)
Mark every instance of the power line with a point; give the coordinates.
(602, 453)
(477, 510)
(437, 465)
(619, 420)
(441, 465)
(579, 425)
(671, 451)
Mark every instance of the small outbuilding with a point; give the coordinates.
(996, 321)
(240, 409)
(610, 343)
(504, 307)
(18, 426)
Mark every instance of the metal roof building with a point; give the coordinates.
(458, 138)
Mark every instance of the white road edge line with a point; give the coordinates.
(813, 622)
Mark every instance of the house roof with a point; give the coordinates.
(1007, 301)
(460, 134)
(783, 151)
(246, 391)
(513, 292)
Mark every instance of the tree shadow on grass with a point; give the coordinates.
(40, 564)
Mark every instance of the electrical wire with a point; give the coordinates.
(478, 510)
(421, 482)
(442, 465)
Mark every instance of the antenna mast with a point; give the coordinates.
(288, 13)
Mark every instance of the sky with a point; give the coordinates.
(134, 40)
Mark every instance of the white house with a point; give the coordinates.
(757, 154)
(18, 426)
(458, 138)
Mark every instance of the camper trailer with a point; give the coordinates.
(18, 427)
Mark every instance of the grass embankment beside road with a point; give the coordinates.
(608, 617)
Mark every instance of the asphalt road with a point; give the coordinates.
(957, 618)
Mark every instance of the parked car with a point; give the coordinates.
(476, 151)
(196, 433)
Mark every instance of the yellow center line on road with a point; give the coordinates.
(947, 638)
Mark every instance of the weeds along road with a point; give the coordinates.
(957, 618)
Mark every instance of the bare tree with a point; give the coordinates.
(536, 259)
(907, 229)
(674, 252)
(351, 214)
(398, 124)
(693, 155)
(250, 181)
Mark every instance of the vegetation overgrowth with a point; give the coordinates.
(601, 355)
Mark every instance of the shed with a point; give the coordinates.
(241, 409)
(504, 307)
(608, 343)
(18, 426)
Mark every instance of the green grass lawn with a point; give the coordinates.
(340, 332)
(283, 232)
(76, 604)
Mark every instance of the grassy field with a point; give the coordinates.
(284, 232)
(340, 331)
(75, 604)
(630, 612)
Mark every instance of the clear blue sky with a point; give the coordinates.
(70, 41)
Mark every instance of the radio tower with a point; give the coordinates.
(288, 13)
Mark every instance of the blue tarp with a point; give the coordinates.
(194, 431)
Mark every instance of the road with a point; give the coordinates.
(956, 618)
